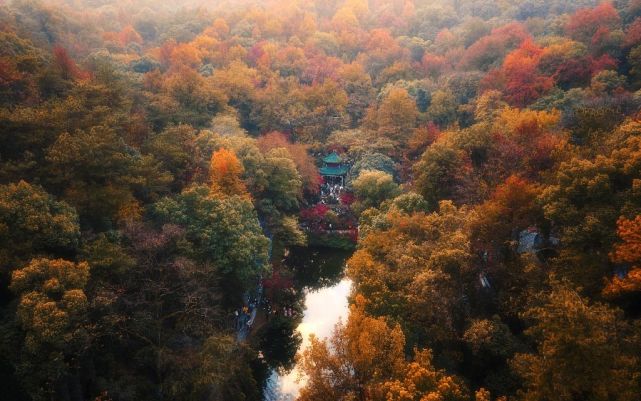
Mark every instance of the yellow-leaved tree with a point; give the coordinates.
(582, 350)
(52, 311)
(365, 360)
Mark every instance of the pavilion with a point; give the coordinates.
(333, 169)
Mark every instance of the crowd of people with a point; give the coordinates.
(330, 193)
(244, 317)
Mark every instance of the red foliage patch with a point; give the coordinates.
(347, 198)
(588, 22)
(68, 68)
(315, 213)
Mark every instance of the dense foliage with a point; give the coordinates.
(151, 155)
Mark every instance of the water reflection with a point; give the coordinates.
(318, 277)
(316, 268)
(323, 309)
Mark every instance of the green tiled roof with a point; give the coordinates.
(342, 170)
(332, 158)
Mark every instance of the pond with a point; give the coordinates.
(319, 273)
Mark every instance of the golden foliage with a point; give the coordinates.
(52, 301)
(364, 360)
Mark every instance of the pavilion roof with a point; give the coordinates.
(332, 158)
(333, 171)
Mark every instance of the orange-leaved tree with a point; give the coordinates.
(226, 174)
(512, 207)
(627, 252)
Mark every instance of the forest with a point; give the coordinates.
(477, 161)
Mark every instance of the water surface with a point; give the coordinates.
(318, 272)
(323, 309)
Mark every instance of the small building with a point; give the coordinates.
(532, 241)
(333, 170)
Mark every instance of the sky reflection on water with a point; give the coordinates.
(323, 309)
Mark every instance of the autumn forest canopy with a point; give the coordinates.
(479, 160)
